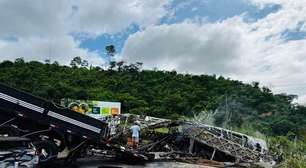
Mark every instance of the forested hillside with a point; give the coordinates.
(161, 93)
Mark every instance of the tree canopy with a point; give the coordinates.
(159, 93)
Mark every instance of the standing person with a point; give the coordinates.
(135, 134)
(113, 122)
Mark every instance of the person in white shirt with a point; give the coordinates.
(135, 129)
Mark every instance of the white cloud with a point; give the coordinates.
(61, 49)
(291, 14)
(57, 17)
(30, 18)
(33, 28)
(286, 59)
(244, 51)
(107, 16)
(188, 47)
(302, 100)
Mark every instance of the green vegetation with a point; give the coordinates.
(292, 152)
(166, 94)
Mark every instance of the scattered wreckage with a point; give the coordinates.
(194, 143)
(58, 132)
(17, 152)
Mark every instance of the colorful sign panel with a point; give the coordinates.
(96, 109)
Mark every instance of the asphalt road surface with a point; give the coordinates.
(96, 163)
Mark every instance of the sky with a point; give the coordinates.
(247, 40)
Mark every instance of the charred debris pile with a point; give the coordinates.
(163, 139)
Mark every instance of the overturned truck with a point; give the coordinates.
(58, 132)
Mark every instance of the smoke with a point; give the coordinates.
(204, 117)
(232, 112)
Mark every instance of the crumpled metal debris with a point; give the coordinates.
(163, 139)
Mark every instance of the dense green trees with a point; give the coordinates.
(161, 93)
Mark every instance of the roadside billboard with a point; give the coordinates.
(96, 109)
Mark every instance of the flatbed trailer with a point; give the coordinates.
(51, 127)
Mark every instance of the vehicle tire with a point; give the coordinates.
(47, 151)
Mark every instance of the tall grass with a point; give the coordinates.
(291, 152)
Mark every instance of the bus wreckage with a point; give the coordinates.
(60, 133)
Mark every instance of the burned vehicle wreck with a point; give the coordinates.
(163, 139)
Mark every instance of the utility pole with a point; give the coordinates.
(226, 112)
(49, 53)
(48, 59)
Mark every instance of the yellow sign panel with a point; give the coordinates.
(96, 109)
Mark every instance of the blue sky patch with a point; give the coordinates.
(293, 35)
(10, 39)
(296, 34)
(210, 10)
(216, 10)
(99, 43)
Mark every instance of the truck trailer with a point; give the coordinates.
(55, 131)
